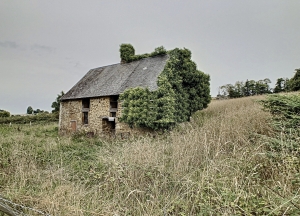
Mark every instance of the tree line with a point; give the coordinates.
(252, 87)
(55, 105)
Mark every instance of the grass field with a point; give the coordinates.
(229, 160)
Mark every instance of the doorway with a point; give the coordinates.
(73, 126)
(108, 126)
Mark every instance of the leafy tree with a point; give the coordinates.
(4, 113)
(29, 110)
(241, 89)
(295, 81)
(281, 85)
(246, 89)
(228, 90)
(252, 87)
(38, 111)
(267, 89)
(56, 104)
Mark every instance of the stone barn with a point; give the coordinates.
(93, 105)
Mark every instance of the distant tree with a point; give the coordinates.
(29, 110)
(246, 89)
(287, 85)
(295, 81)
(262, 87)
(268, 90)
(38, 111)
(241, 89)
(56, 104)
(252, 87)
(279, 85)
(4, 113)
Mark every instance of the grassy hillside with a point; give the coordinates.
(223, 162)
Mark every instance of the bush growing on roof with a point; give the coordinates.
(182, 90)
(127, 53)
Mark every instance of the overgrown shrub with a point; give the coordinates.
(127, 53)
(284, 108)
(182, 90)
(286, 120)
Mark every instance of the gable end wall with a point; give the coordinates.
(71, 111)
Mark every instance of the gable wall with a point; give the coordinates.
(69, 111)
(99, 108)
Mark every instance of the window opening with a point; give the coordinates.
(108, 126)
(85, 117)
(85, 110)
(86, 103)
(113, 108)
(113, 114)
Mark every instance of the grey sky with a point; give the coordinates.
(47, 46)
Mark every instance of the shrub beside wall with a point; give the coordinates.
(182, 90)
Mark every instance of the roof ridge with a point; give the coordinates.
(129, 62)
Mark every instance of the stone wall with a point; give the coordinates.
(99, 108)
(71, 111)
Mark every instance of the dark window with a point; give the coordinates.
(85, 117)
(114, 101)
(113, 114)
(113, 104)
(86, 103)
(85, 110)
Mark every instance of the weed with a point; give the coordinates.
(228, 160)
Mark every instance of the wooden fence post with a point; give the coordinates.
(7, 210)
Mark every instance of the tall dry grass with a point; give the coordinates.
(216, 164)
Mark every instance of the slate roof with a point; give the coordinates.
(115, 79)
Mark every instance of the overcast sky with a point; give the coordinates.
(47, 46)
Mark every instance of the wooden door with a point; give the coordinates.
(73, 126)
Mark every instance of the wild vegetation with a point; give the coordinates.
(182, 90)
(40, 117)
(127, 53)
(4, 113)
(230, 159)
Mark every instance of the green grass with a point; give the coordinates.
(229, 160)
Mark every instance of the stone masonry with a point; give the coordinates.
(71, 118)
